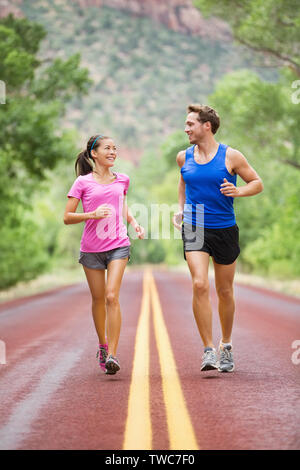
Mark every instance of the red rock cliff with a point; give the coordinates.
(178, 15)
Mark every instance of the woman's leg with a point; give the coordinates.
(96, 282)
(115, 271)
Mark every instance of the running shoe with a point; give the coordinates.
(226, 363)
(209, 359)
(102, 355)
(112, 365)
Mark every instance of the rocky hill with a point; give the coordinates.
(148, 60)
(7, 7)
(177, 15)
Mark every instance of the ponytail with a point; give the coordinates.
(83, 164)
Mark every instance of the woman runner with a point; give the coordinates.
(104, 243)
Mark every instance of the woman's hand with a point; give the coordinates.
(102, 212)
(228, 189)
(177, 220)
(139, 230)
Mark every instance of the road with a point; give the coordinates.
(54, 396)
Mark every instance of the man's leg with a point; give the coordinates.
(224, 277)
(198, 262)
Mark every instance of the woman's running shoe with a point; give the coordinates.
(102, 355)
(112, 365)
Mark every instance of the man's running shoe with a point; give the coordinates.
(112, 365)
(209, 359)
(102, 355)
(226, 363)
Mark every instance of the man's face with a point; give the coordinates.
(194, 128)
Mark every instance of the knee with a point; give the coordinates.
(200, 286)
(111, 298)
(98, 300)
(225, 292)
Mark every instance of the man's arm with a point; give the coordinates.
(180, 160)
(177, 218)
(241, 167)
(181, 193)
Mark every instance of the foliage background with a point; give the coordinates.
(71, 72)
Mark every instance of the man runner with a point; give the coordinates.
(207, 188)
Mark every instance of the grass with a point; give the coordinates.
(64, 277)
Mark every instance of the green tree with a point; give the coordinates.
(31, 141)
(271, 27)
(257, 114)
(278, 248)
(259, 119)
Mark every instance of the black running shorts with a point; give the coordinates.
(220, 243)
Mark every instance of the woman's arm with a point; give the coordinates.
(127, 214)
(70, 216)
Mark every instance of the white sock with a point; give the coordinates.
(225, 344)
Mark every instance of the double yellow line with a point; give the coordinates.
(138, 431)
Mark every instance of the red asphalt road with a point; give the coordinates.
(54, 396)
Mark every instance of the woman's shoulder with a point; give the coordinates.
(82, 179)
(85, 177)
(123, 177)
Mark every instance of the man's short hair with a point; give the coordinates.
(205, 113)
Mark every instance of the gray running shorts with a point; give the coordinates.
(100, 260)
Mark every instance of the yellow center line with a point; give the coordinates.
(181, 432)
(138, 431)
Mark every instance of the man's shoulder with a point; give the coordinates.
(180, 158)
(235, 158)
(233, 153)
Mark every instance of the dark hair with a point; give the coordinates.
(83, 164)
(206, 114)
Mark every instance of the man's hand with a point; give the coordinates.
(177, 220)
(229, 189)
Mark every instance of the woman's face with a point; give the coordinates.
(106, 153)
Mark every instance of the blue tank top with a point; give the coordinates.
(205, 205)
